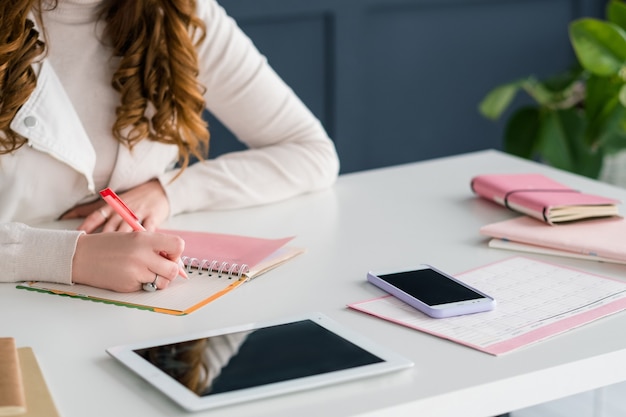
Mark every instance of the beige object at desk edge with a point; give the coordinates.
(12, 398)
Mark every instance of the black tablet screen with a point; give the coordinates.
(262, 356)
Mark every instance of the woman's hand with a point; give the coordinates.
(123, 262)
(148, 201)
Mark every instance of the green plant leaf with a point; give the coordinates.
(566, 79)
(497, 100)
(600, 46)
(590, 164)
(553, 143)
(562, 91)
(612, 140)
(601, 107)
(562, 145)
(521, 132)
(600, 91)
(622, 95)
(616, 13)
(611, 135)
(588, 159)
(543, 95)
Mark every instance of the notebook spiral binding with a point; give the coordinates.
(214, 267)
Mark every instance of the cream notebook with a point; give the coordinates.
(23, 390)
(39, 402)
(216, 264)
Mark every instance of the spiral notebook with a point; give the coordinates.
(216, 264)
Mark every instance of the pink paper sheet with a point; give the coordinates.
(536, 300)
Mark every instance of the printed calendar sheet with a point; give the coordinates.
(535, 300)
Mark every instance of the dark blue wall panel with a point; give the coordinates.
(396, 81)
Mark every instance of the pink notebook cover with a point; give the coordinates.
(597, 237)
(532, 194)
(234, 249)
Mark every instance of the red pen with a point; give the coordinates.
(129, 217)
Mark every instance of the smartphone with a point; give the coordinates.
(432, 291)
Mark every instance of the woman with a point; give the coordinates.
(109, 93)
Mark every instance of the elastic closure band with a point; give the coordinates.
(507, 195)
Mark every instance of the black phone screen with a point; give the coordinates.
(430, 287)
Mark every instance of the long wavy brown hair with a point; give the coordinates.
(155, 41)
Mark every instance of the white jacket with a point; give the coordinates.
(289, 154)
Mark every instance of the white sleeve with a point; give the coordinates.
(31, 254)
(220, 350)
(289, 151)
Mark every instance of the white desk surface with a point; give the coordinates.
(422, 212)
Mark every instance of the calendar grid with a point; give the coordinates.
(535, 300)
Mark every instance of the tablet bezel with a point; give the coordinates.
(192, 402)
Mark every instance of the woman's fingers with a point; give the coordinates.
(148, 201)
(123, 262)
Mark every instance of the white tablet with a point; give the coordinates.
(236, 364)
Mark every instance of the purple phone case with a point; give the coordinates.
(468, 308)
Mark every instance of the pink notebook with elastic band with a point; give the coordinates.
(542, 198)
